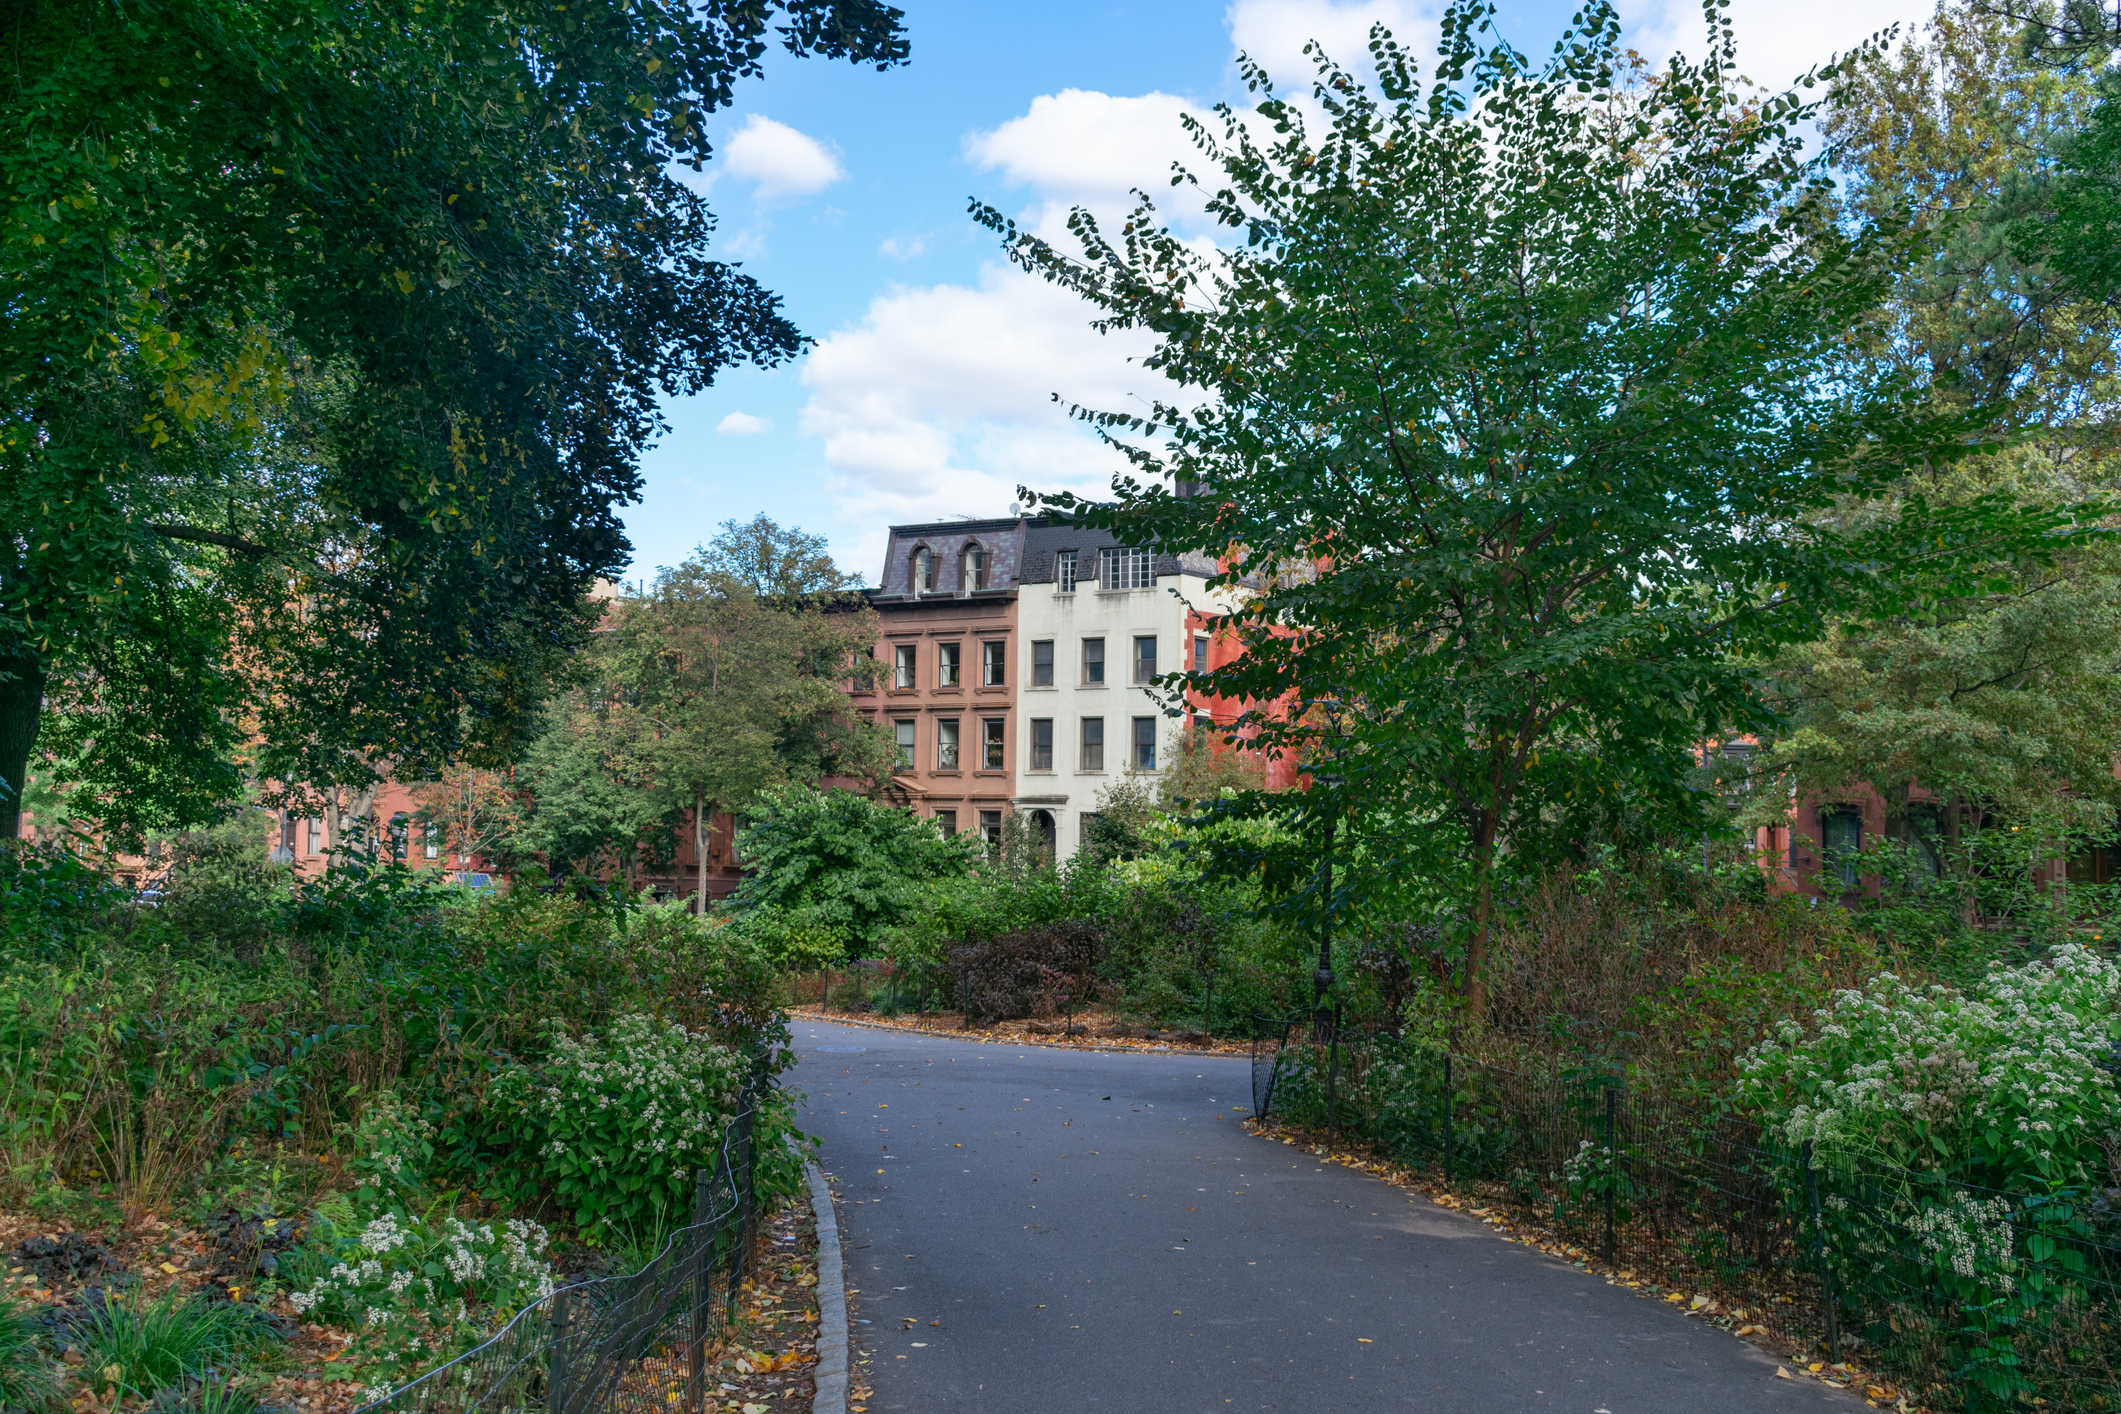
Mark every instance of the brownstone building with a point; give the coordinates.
(948, 651)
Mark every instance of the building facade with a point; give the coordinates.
(948, 653)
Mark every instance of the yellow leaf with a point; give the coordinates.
(168, 1268)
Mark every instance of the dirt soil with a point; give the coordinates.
(52, 1268)
(1092, 1029)
(767, 1367)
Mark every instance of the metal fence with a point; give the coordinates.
(1973, 1298)
(641, 1342)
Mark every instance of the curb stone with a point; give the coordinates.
(831, 1376)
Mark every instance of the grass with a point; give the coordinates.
(27, 1379)
(142, 1347)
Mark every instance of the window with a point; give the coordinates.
(1064, 572)
(1093, 744)
(1042, 664)
(1089, 827)
(992, 731)
(1093, 661)
(1145, 743)
(400, 827)
(946, 822)
(904, 731)
(1123, 568)
(316, 837)
(990, 828)
(923, 571)
(992, 657)
(1200, 653)
(1041, 743)
(908, 664)
(1842, 834)
(431, 841)
(946, 744)
(974, 568)
(1736, 775)
(1144, 659)
(946, 665)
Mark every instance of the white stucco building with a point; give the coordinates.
(1096, 621)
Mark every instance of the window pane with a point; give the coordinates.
(946, 821)
(904, 731)
(1093, 660)
(316, 837)
(1144, 659)
(431, 841)
(991, 734)
(1042, 664)
(1145, 743)
(996, 655)
(1042, 743)
(946, 665)
(1093, 744)
(1843, 837)
(908, 658)
(946, 745)
(1124, 568)
(990, 828)
(975, 568)
(1064, 572)
(1200, 655)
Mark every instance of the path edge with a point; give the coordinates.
(832, 1354)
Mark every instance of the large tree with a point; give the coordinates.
(334, 334)
(1511, 405)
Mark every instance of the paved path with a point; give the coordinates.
(1097, 1231)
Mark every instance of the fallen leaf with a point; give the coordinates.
(1744, 1331)
(1782, 1374)
(167, 1267)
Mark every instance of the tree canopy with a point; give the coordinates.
(851, 864)
(333, 338)
(1511, 407)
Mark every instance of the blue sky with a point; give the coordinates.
(845, 191)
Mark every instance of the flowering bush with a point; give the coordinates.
(617, 1124)
(416, 1290)
(2003, 1087)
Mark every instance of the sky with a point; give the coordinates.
(929, 389)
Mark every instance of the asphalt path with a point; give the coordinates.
(1032, 1229)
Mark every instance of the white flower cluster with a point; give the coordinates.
(1891, 1069)
(642, 1089)
(497, 1269)
(1970, 1235)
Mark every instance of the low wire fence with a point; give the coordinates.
(642, 1342)
(1973, 1298)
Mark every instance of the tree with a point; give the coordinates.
(334, 335)
(843, 860)
(720, 695)
(786, 565)
(593, 795)
(1511, 408)
(478, 814)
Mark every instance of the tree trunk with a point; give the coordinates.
(21, 710)
(699, 847)
(1483, 916)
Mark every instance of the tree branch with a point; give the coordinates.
(210, 537)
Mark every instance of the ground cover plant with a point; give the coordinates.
(390, 1109)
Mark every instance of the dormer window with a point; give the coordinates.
(975, 568)
(923, 571)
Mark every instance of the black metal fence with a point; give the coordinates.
(641, 1342)
(1973, 1298)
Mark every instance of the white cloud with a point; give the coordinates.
(892, 248)
(778, 160)
(1083, 148)
(742, 424)
(941, 400)
(1777, 39)
(1273, 34)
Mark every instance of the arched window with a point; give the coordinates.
(974, 567)
(923, 571)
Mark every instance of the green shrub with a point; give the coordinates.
(2005, 1086)
(137, 1347)
(616, 1123)
(415, 1289)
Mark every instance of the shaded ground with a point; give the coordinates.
(1035, 1228)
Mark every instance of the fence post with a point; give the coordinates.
(1826, 1274)
(702, 1286)
(556, 1369)
(1612, 1169)
(964, 997)
(1333, 1074)
(1447, 1117)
